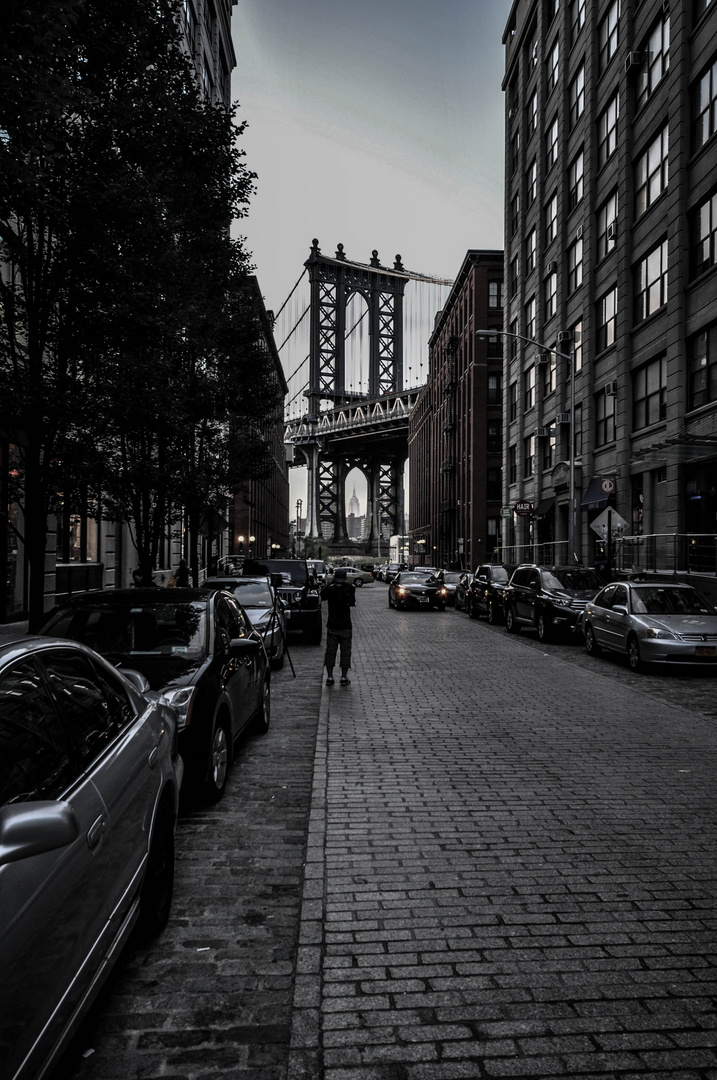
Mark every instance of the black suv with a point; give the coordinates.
(548, 599)
(486, 592)
(299, 591)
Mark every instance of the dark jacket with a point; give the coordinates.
(341, 597)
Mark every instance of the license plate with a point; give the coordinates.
(706, 650)
(422, 599)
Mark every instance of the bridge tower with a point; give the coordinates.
(333, 282)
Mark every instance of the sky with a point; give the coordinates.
(374, 123)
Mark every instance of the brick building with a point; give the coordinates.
(611, 244)
(455, 429)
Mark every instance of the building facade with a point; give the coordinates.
(610, 251)
(455, 429)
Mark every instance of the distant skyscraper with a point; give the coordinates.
(354, 507)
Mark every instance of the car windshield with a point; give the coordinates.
(292, 570)
(251, 594)
(409, 578)
(498, 573)
(158, 628)
(653, 600)
(571, 578)
(450, 577)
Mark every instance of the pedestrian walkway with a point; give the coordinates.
(510, 867)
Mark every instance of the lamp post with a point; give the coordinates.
(299, 507)
(570, 357)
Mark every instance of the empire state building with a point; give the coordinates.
(354, 522)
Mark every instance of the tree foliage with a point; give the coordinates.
(128, 357)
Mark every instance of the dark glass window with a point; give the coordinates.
(495, 389)
(529, 456)
(606, 313)
(704, 107)
(531, 113)
(90, 720)
(607, 130)
(530, 251)
(607, 225)
(651, 282)
(703, 368)
(577, 18)
(575, 265)
(34, 757)
(604, 418)
(649, 386)
(494, 440)
(512, 465)
(608, 35)
(651, 172)
(577, 96)
(551, 219)
(575, 180)
(531, 182)
(656, 59)
(514, 401)
(551, 145)
(492, 484)
(551, 294)
(704, 235)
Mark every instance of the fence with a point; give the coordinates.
(691, 553)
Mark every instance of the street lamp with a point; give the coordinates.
(570, 357)
(299, 507)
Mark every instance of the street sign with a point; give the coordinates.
(506, 511)
(617, 522)
(607, 485)
(523, 508)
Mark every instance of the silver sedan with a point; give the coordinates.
(659, 622)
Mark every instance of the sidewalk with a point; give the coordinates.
(510, 867)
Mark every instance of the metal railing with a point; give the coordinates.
(688, 553)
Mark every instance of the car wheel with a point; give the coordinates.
(633, 654)
(491, 615)
(277, 661)
(510, 622)
(390, 602)
(155, 895)
(263, 717)
(591, 646)
(358, 582)
(543, 627)
(219, 762)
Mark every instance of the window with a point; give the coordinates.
(550, 374)
(549, 445)
(36, 760)
(512, 465)
(607, 131)
(551, 9)
(531, 113)
(575, 180)
(608, 36)
(651, 173)
(649, 386)
(551, 144)
(530, 318)
(575, 265)
(553, 66)
(513, 401)
(577, 332)
(703, 369)
(493, 484)
(651, 282)
(701, 7)
(606, 315)
(495, 294)
(88, 718)
(495, 348)
(494, 440)
(529, 388)
(530, 251)
(704, 236)
(606, 226)
(514, 276)
(513, 347)
(495, 389)
(532, 51)
(577, 18)
(514, 213)
(529, 456)
(551, 294)
(577, 431)
(604, 418)
(656, 59)
(577, 96)
(532, 182)
(514, 150)
(704, 107)
(551, 219)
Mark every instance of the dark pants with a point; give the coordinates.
(334, 639)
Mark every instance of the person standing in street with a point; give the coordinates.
(340, 597)
(182, 574)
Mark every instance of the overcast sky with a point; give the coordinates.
(377, 124)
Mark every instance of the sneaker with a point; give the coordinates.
(330, 681)
(344, 680)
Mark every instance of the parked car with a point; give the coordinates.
(299, 592)
(319, 569)
(354, 575)
(548, 599)
(89, 787)
(392, 569)
(266, 610)
(378, 571)
(462, 587)
(198, 648)
(657, 623)
(487, 592)
(411, 588)
(450, 579)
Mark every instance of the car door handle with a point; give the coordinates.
(152, 760)
(96, 832)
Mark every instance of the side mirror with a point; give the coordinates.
(32, 828)
(244, 648)
(138, 680)
(621, 609)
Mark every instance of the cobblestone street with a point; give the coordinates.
(509, 871)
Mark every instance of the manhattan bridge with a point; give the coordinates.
(354, 347)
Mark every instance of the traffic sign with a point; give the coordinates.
(618, 525)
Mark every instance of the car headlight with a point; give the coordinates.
(180, 698)
(400, 590)
(656, 632)
(560, 601)
(443, 592)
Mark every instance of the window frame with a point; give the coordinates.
(607, 215)
(551, 223)
(575, 265)
(704, 241)
(705, 117)
(606, 321)
(607, 130)
(702, 361)
(648, 284)
(608, 36)
(655, 63)
(645, 172)
(605, 426)
(576, 96)
(552, 140)
(641, 401)
(576, 179)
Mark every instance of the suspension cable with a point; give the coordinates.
(296, 324)
(290, 295)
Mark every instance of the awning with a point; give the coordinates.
(598, 493)
(544, 507)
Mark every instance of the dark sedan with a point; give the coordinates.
(487, 592)
(198, 648)
(265, 609)
(413, 589)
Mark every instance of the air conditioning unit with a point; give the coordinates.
(552, 267)
(579, 232)
(542, 432)
(612, 231)
(565, 335)
(633, 60)
(562, 418)
(611, 387)
(544, 358)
